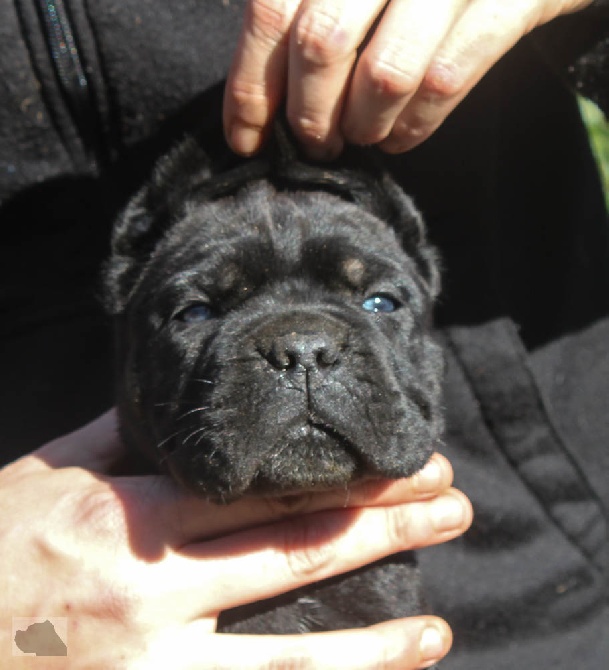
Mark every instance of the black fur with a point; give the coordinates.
(282, 382)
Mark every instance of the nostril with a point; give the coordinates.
(288, 360)
(327, 357)
(300, 351)
(279, 358)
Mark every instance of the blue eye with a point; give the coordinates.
(196, 313)
(380, 302)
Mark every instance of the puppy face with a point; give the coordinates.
(273, 340)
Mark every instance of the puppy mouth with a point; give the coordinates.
(312, 457)
(315, 428)
(322, 459)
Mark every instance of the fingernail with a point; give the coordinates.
(431, 646)
(245, 139)
(429, 478)
(447, 514)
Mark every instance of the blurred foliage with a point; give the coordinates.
(598, 130)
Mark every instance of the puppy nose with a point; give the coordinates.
(302, 351)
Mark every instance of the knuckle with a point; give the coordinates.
(245, 92)
(441, 82)
(390, 76)
(308, 128)
(407, 133)
(317, 35)
(308, 546)
(398, 523)
(250, 101)
(270, 19)
(294, 657)
(100, 514)
(405, 130)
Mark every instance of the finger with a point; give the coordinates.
(323, 48)
(299, 551)
(403, 644)
(485, 31)
(96, 446)
(256, 80)
(392, 66)
(178, 518)
(182, 518)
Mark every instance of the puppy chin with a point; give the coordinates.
(309, 459)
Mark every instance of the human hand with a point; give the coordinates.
(350, 78)
(141, 569)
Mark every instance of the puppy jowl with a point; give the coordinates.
(272, 326)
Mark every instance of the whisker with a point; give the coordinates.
(199, 439)
(193, 411)
(194, 432)
(176, 402)
(163, 442)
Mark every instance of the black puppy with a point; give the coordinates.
(272, 321)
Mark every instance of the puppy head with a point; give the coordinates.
(272, 326)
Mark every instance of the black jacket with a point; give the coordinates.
(93, 91)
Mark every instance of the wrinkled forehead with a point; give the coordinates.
(260, 230)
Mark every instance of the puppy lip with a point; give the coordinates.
(316, 425)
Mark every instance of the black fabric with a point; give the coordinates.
(528, 580)
(513, 201)
(518, 421)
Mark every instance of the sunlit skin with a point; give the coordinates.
(420, 60)
(137, 561)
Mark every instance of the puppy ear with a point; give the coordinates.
(199, 169)
(407, 222)
(143, 222)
